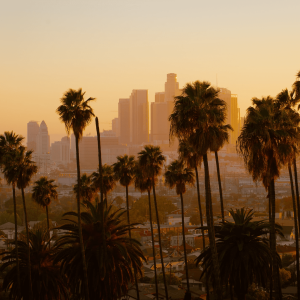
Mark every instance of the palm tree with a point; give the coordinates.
(286, 101)
(243, 250)
(199, 116)
(76, 114)
(9, 143)
(110, 265)
(42, 193)
(124, 172)
(108, 177)
(152, 160)
(87, 191)
(177, 175)
(267, 142)
(144, 183)
(49, 283)
(26, 169)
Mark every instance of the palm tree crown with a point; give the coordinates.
(177, 175)
(75, 112)
(43, 191)
(110, 267)
(244, 253)
(124, 169)
(46, 277)
(108, 179)
(87, 190)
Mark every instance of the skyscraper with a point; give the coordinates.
(124, 121)
(235, 118)
(42, 156)
(60, 150)
(115, 126)
(32, 132)
(162, 108)
(139, 117)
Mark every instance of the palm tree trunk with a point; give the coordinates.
(297, 191)
(159, 239)
(220, 185)
(128, 221)
(273, 245)
(99, 159)
(28, 245)
(16, 242)
(296, 229)
(85, 277)
(201, 222)
(153, 247)
(211, 232)
(48, 226)
(270, 241)
(184, 246)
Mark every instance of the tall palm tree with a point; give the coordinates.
(199, 116)
(266, 143)
(177, 175)
(143, 183)
(109, 278)
(108, 177)
(124, 170)
(49, 283)
(152, 161)
(192, 159)
(87, 191)
(42, 193)
(26, 169)
(9, 143)
(76, 114)
(243, 251)
(286, 101)
(220, 139)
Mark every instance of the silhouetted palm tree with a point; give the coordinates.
(152, 161)
(266, 143)
(144, 183)
(9, 143)
(42, 193)
(110, 265)
(124, 170)
(177, 175)
(26, 169)
(108, 177)
(49, 283)
(76, 114)
(87, 191)
(244, 252)
(199, 116)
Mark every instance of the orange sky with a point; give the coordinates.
(111, 47)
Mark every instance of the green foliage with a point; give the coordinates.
(110, 259)
(139, 212)
(170, 278)
(244, 255)
(46, 277)
(287, 260)
(285, 276)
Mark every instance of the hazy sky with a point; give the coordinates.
(111, 47)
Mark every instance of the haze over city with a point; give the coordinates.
(110, 48)
(149, 150)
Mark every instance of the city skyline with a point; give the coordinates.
(233, 45)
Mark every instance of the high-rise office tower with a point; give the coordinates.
(73, 146)
(124, 121)
(42, 156)
(115, 126)
(32, 132)
(235, 118)
(60, 150)
(139, 117)
(161, 110)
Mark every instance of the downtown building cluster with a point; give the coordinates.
(139, 123)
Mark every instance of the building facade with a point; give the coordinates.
(33, 129)
(123, 121)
